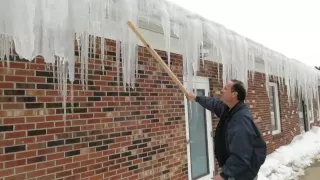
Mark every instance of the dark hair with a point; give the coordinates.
(238, 87)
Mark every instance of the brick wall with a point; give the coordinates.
(110, 133)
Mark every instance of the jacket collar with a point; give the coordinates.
(240, 105)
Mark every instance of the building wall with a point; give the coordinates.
(110, 133)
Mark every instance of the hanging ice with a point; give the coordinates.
(52, 28)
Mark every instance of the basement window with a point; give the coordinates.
(274, 108)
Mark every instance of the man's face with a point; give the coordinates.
(226, 94)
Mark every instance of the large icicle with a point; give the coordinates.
(50, 28)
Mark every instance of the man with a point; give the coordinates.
(238, 145)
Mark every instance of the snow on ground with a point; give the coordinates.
(289, 162)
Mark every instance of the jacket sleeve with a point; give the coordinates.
(212, 104)
(240, 138)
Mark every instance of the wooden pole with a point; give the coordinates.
(158, 58)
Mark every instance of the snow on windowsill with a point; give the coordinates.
(289, 162)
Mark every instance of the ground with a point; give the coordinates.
(312, 172)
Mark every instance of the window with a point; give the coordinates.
(310, 111)
(274, 108)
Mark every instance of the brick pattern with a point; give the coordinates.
(109, 133)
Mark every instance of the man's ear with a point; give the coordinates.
(235, 93)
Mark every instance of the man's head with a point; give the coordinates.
(233, 92)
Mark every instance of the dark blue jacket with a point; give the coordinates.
(238, 144)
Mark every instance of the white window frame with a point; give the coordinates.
(203, 83)
(277, 106)
(318, 109)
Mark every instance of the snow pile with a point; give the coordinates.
(288, 162)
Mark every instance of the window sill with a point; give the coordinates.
(277, 135)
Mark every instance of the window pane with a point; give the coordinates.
(198, 138)
(273, 107)
(301, 118)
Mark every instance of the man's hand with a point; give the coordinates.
(217, 178)
(191, 96)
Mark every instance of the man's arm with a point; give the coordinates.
(240, 137)
(212, 104)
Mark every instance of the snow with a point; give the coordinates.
(48, 28)
(288, 162)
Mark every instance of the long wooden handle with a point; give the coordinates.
(158, 58)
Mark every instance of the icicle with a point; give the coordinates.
(86, 62)
(82, 56)
(167, 32)
(128, 41)
(65, 85)
(118, 61)
(48, 29)
(102, 51)
(318, 105)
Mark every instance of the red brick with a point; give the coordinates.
(24, 72)
(37, 66)
(15, 134)
(46, 99)
(54, 118)
(55, 169)
(45, 138)
(87, 174)
(15, 78)
(15, 177)
(46, 151)
(35, 92)
(6, 85)
(36, 79)
(63, 161)
(81, 158)
(47, 177)
(97, 177)
(6, 143)
(55, 156)
(27, 154)
(17, 65)
(45, 125)
(6, 172)
(88, 162)
(6, 157)
(79, 170)
(74, 177)
(17, 120)
(20, 162)
(36, 173)
(25, 140)
(34, 119)
(24, 169)
(36, 146)
(55, 131)
(52, 93)
(95, 155)
(63, 174)
(45, 165)
(65, 148)
(12, 106)
(72, 165)
(24, 127)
